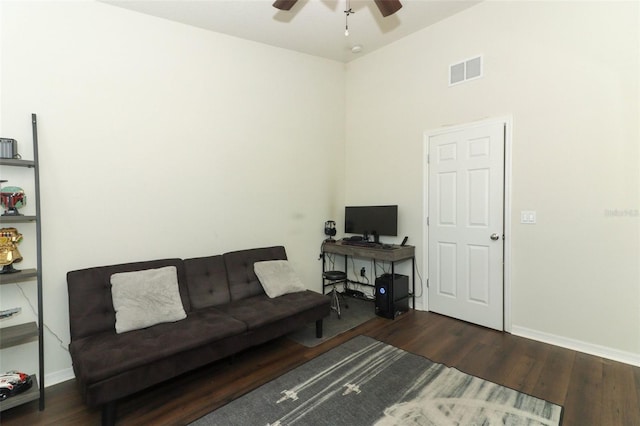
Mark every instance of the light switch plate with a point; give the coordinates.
(528, 217)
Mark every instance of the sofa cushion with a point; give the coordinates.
(145, 298)
(90, 303)
(107, 354)
(277, 277)
(262, 310)
(207, 281)
(241, 276)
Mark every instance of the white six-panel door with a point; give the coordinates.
(466, 224)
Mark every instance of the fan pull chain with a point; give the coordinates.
(348, 11)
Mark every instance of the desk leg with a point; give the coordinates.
(346, 271)
(413, 281)
(323, 269)
(393, 288)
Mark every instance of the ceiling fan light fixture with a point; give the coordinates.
(388, 7)
(347, 11)
(284, 4)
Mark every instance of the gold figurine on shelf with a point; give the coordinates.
(9, 254)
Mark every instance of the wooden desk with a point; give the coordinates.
(392, 255)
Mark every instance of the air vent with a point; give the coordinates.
(469, 69)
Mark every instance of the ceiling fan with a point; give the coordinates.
(387, 7)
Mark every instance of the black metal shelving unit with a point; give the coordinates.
(31, 331)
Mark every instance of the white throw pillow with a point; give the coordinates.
(277, 277)
(145, 298)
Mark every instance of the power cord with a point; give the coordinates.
(35, 313)
(420, 278)
(330, 260)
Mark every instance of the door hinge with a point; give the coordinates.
(427, 220)
(427, 158)
(427, 282)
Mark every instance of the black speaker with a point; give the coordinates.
(392, 295)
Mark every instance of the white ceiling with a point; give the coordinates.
(315, 27)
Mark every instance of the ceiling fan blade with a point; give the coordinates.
(388, 7)
(284, 4)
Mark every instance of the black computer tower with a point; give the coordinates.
(392, 295)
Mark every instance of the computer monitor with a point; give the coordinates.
(371, 220)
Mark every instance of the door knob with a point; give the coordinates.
(495, 236)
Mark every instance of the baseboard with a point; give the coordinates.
(58, 377)
(578, 345)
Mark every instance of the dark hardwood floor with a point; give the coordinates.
(593, 390)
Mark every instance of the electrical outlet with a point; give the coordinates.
(362, 271)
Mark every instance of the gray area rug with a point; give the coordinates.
(367, 382)
(358, 312)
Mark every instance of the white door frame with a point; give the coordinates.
(508, 123)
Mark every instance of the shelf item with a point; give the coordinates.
(10, 237)
(12, 198)
(32, 331)
(29, 395)
(8, 313)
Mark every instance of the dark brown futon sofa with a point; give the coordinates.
(226, 309)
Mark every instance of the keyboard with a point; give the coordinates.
(357, 243)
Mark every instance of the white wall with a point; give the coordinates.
(162, 140)
(568, 74)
